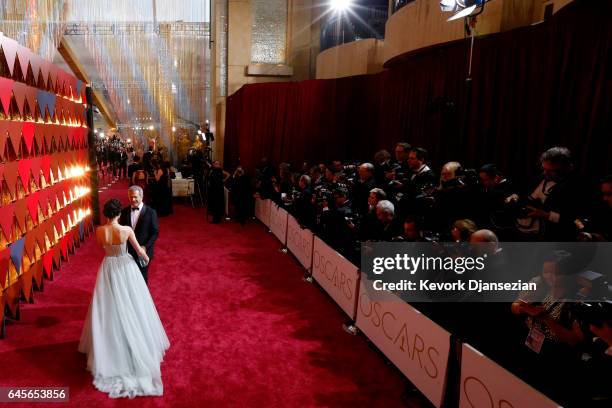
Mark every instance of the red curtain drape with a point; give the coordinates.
(530, 88)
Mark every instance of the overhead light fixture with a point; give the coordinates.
(129, 140)
(173, 129)
(340, 5)
(463, 13)
(128, 101)
(462, 8)
(151, 127)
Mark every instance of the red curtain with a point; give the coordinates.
(530, 88)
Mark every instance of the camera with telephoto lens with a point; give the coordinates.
(595, 313)
(520, 208)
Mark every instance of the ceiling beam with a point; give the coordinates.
(99, 100)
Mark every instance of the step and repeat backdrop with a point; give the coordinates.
(45, 208)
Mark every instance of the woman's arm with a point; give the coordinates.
(571, 336)
(139, 250)
(225, 176)
(158, 174)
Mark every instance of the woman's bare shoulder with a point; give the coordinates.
(125, 228)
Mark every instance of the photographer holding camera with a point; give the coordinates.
(455, 198)
(337, 223)
(549, 211)
(361, 189)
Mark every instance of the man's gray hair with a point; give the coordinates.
(137, 189)
(368, 166)
(380, 193)
(306, 179)
(386, 207)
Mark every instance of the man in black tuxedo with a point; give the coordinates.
(143, 220)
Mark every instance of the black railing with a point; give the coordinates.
(360, 23)
(398, 4)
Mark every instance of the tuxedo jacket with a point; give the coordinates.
(146, 231)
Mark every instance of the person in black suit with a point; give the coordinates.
(143, 220)
(362, 188)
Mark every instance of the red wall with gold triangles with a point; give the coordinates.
(45, 203)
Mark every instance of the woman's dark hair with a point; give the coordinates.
(112, 208)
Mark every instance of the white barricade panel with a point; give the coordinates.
(226, 194)
(267, 206)
(300, 242)
(484, 383)
(259, 209)
(413, 342)
(336, 275)
(278, 223)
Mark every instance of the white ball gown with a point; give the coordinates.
(123, 336)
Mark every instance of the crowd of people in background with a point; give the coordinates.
(152, 171)
(401, 198)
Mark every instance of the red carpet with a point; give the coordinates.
(244, 329)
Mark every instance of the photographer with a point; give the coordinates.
(263, 181)
(412, 230)
(390, 228)
(361, 189)
(455, 197)
(549, 210)
(241, 195)
(603, 332)
(337, 226)
(369, 225)
(382, 165)
(600, 229)
(303, 208)
(494, 189)
(554, 330)
(396, 180)
(422, 176)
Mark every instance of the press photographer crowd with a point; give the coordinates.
(563, 348)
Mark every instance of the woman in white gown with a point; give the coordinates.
(123, 336)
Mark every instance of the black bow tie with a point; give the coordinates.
(135, 208)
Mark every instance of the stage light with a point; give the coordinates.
(462, 8)
(463, 13)
(340, 5)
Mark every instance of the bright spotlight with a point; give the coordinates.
(340, 5)
(173, 128)
(151, 127)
